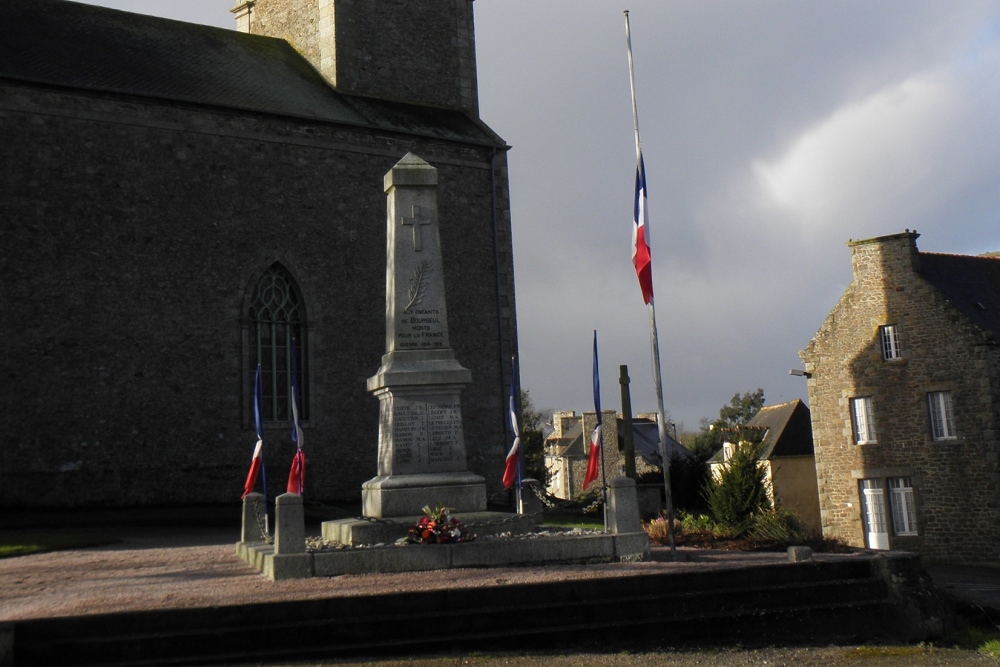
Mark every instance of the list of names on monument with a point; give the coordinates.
(444, 424)
(426, 433)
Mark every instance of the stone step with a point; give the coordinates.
(782, 603)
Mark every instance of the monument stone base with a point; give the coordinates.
(405, 495)
(363, 532)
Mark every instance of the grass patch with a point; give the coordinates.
(573, 521)
(24, 542)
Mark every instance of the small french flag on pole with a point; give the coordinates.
(297, 475)
(258, 453)
(594, 466)
(512, 469)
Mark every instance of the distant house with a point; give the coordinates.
(904, 384)
(784, 433)
(567, 447)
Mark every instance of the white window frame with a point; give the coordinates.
(863, 420)
(942, 420)
(889, 338)
(904, 508)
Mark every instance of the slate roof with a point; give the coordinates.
(646, 442)
(971, 284)
(787, 430)
(83, 47)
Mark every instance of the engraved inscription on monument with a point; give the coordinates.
(444, 428)
(423, 434)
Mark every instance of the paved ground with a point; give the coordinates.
(170, 566)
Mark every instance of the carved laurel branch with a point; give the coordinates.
(418, 285)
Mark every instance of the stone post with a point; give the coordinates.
(623, 506)
(290, 559)
(531, 504)
(253, 519)
(289, 525)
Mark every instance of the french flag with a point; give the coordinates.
(641, 257)
(594, 459)
(258, 453)
(297, 475)
(512, 470)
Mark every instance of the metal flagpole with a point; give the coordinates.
(516, 409)
(665, 447)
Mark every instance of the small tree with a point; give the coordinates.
(739, 412)
(739, 493)
(533, 441)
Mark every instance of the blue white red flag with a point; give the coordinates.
(641, 256)
(594, 458)
(512, 469)
(297, 474)
(258, 453)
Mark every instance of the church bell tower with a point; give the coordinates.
(415, 51)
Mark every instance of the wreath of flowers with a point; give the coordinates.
(438, 527)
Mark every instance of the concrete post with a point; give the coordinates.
(289, 525)
(253, 519)
(623, 506)
(531, 504)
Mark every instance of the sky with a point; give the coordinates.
(773, 131)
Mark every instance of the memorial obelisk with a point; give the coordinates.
(421, 448)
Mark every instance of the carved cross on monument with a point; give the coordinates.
(418, 218)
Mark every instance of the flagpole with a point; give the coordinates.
(515, 390)
(665, 448)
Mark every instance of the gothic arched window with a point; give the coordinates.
(277, 342)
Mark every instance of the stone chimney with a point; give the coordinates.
(415, 51)
(885, 262)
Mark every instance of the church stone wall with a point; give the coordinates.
(956, 485)
(132, 233)
(416, 52)
(295, 21)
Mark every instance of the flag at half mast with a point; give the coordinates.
(641, 257)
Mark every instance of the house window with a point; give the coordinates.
(942, 424)
(889, 336)
(277, 331)
(863, 419)
(904, 514)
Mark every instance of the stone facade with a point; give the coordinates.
(417, 52)
(135, 228)
(568, 446)
(943, 313)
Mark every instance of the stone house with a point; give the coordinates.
(904, 387)
(180, 202)
(784, 433)
(568, 446)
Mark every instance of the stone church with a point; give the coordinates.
(179, 202)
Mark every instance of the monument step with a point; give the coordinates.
(772, 604)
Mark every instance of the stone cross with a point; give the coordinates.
(418, 219)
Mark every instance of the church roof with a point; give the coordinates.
(83, 47)
(971, 284)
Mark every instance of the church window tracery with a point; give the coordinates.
(277, 334)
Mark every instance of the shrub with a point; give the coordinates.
(779, 526)
(739, 493)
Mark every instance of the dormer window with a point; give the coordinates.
(889, 337)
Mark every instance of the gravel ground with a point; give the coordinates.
(172, 568)
(861, 656)
(198, 568)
